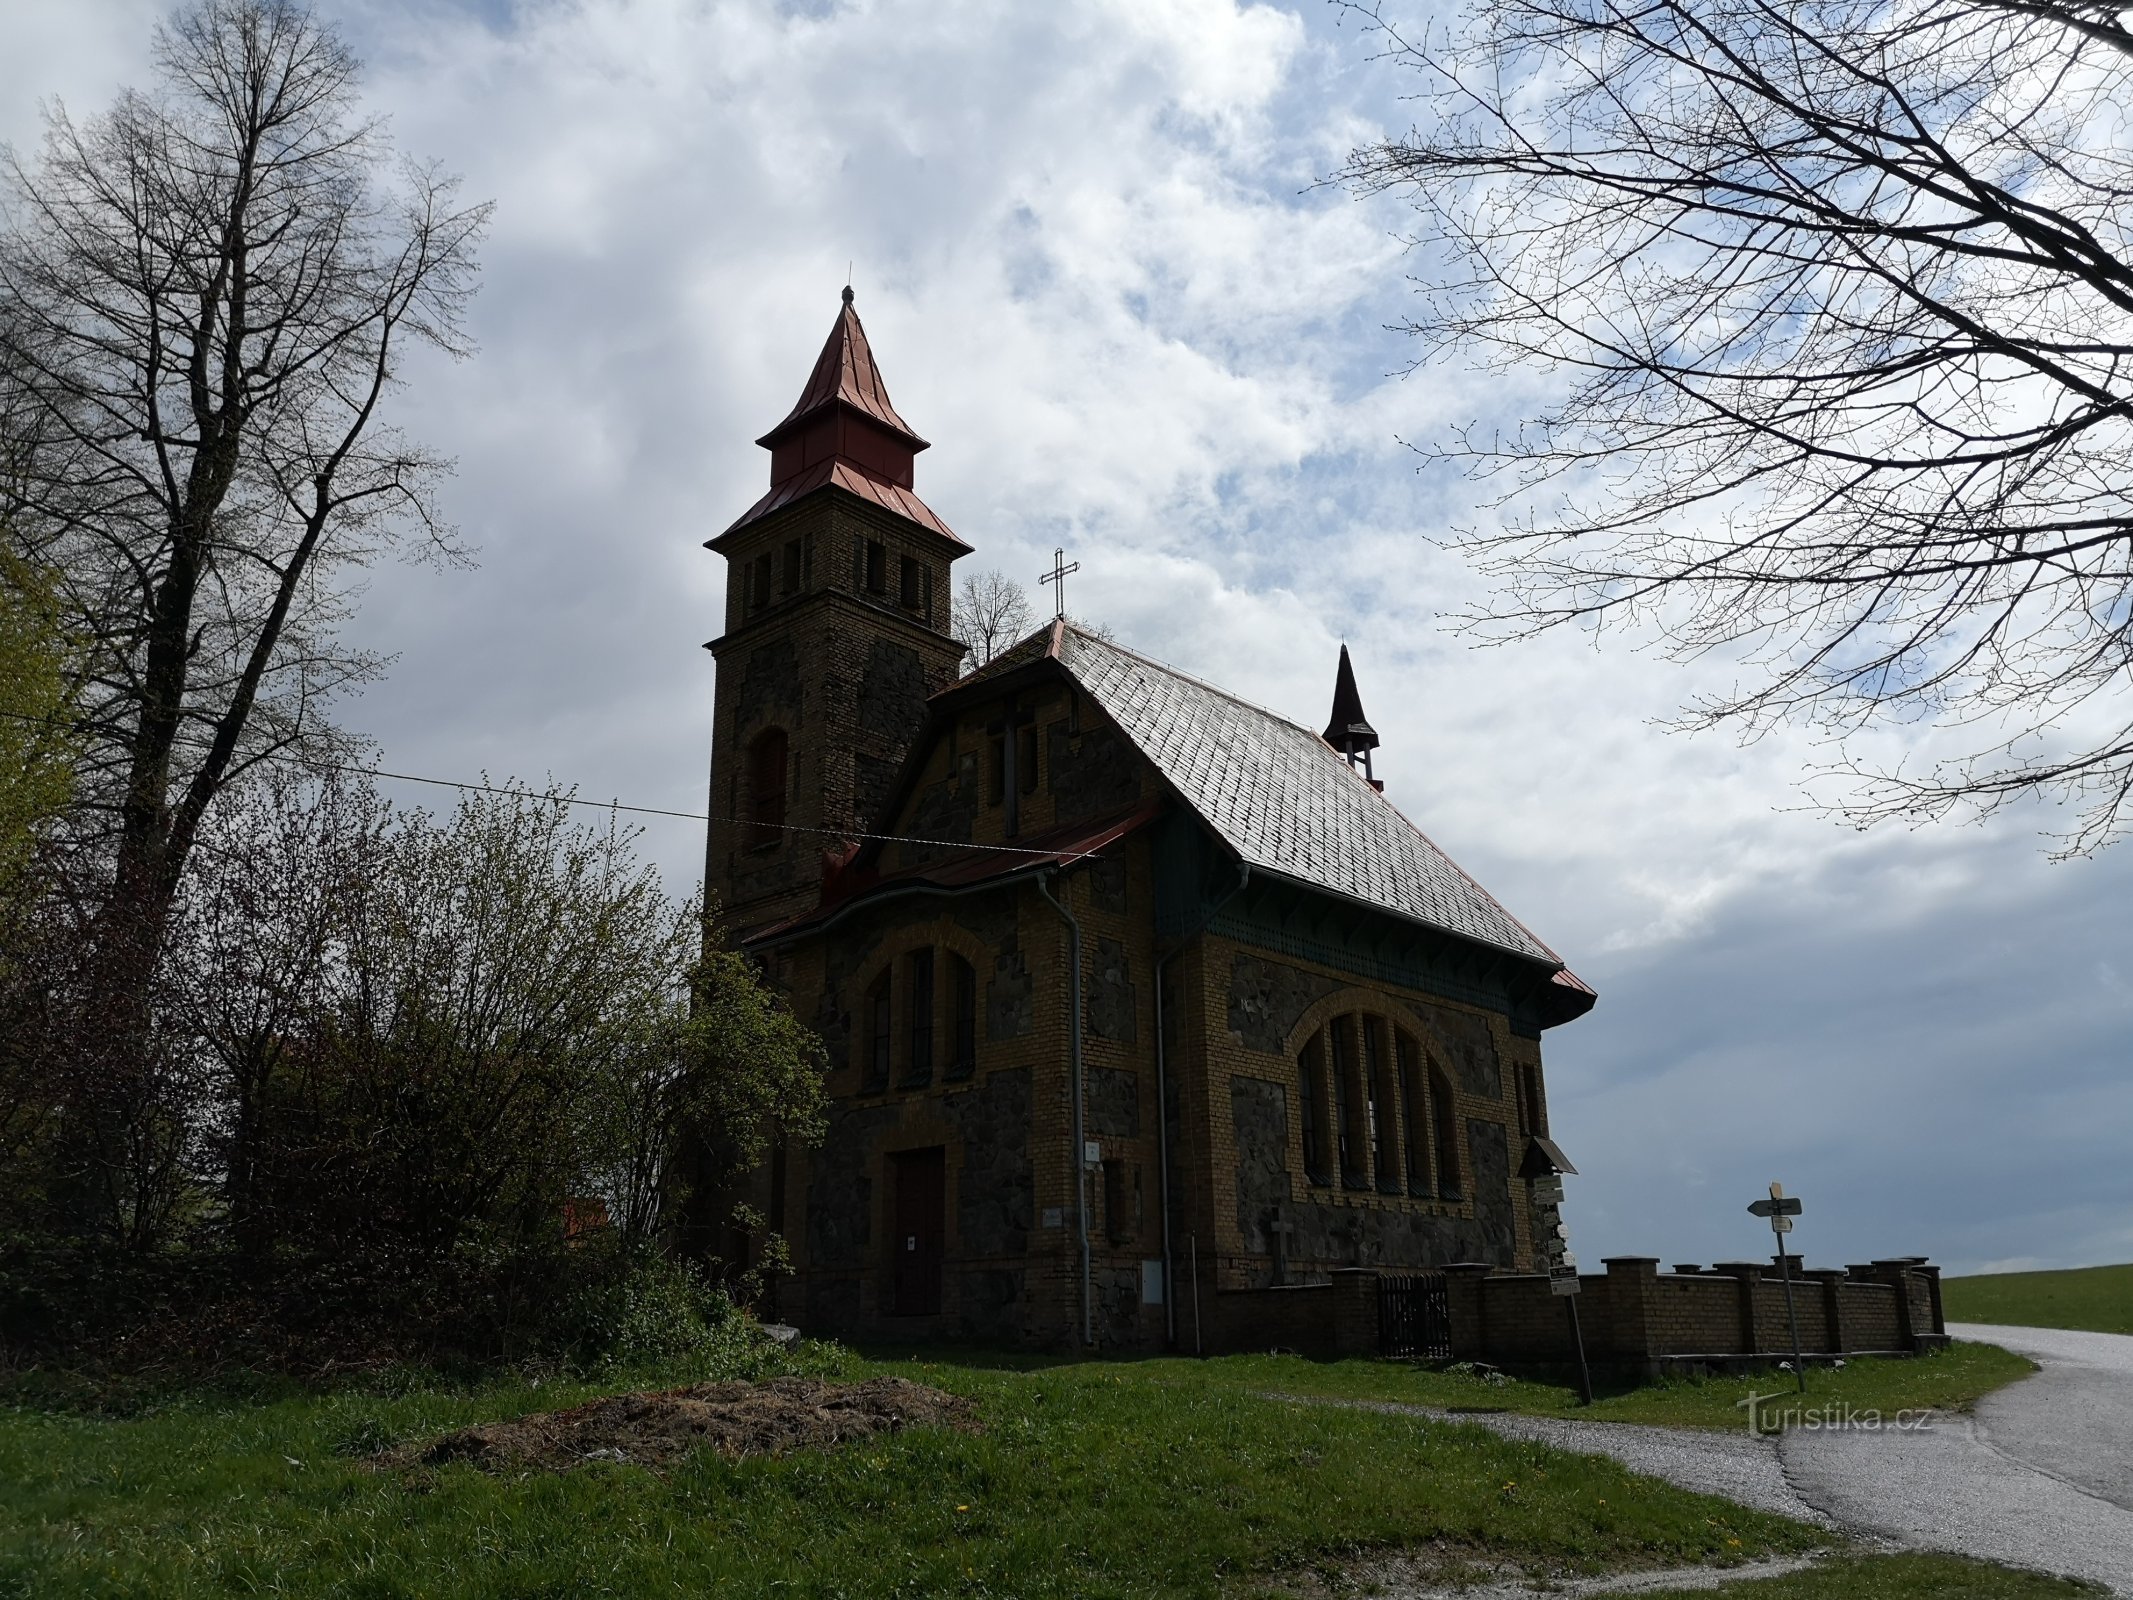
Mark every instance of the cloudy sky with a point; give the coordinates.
(1091, 249)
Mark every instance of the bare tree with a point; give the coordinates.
(1839, 294)
(991, 611)
(206, 297)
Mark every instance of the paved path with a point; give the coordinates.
(2073, 1420)
(2041, 1476)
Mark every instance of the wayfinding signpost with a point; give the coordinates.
(1545, 1172)
(1563, 1281)
(1781, 1208)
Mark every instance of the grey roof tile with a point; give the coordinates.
(1283, 799)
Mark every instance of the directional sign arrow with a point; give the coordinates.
(1787, 1207)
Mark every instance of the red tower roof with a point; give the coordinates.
(844, 433)
(845, 374)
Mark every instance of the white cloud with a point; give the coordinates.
(1088, 249)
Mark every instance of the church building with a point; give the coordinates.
(1142, 1004)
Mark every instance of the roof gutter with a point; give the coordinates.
(1550, 963)
(890, 892)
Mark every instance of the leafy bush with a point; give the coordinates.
(651, 1309)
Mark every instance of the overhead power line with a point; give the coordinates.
(643, 811)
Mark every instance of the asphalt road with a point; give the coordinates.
(2073, 1420)
(2040, 1476)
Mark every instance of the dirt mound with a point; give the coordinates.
(737, 1419)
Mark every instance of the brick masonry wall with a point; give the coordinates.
(1633, 1314)
(842, 670)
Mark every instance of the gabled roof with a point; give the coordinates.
(1281, 797)
(845, 373)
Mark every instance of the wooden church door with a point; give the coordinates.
(920, 1180)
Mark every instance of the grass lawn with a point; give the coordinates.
(2099, 1299)
(1098, 1479)
(1948, 1380)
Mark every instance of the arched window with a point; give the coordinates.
(963, 1037)
(766, 788)
(1377, 1110)
(1445, 1121)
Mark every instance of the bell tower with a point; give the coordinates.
(837, 605)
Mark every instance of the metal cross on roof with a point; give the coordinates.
(1060, 568)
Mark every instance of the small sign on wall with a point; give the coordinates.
(1151, 1283)
(1055, 1216)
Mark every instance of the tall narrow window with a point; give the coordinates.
(880, 1035)
(1445, 1119)
(761, 596)
(1311, 1090)
(1346, 1112)
(908, 585)
(1414, 1111)
(1384, 1114)
(995, 768)
(1026, 758)
(791, 583)
(766, 789)
(963, 1046)
(877, 567)
(1118, 1210)
(919, 1008)
(1532, 1116)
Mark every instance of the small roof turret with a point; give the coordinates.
(1349, 731)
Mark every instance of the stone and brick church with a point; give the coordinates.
(1142, 1003)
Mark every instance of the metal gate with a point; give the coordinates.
(1414, 1317)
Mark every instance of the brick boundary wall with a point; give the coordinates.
(1729, 1315)
(1633, 1316)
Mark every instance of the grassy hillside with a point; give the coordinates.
(2099, 1299)
(1099, 1479)
(1087, 1480)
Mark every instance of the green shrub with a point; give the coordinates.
(648, 1309)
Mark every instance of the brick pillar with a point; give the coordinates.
(1467, 1302)
(1828, 1281)
(1749, 1274)
(1931, 1273)
(1630, 1282)
(1896, 1274)
(1355, 1311)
